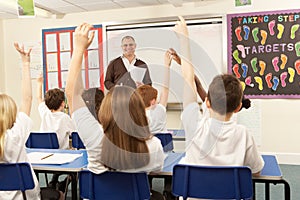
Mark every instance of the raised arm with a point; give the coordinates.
(189, 94)
(165, 86)
(74, 85)
(39, 92)
(26, 80)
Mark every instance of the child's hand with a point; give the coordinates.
(40, 78)
(168, 58)
(175, 56)
(82, 38)
(181, 28)
(24, 55)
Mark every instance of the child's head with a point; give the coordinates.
(54, 99)
(225, 94)
(93, 98)
(123, 118)
(148, 93)
(8, 114)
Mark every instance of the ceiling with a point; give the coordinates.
(44, 8)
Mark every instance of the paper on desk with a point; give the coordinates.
(56, 158)
(137, 74)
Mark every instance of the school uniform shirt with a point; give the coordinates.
(14, 151)
(57, 122)
(91, 133)
(213, 142)
(157, 118)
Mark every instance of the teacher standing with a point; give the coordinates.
(118, 70)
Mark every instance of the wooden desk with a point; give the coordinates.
(71, 168)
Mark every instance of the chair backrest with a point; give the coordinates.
(76, 141)
(16, 176)
(114, 185)
(212, 182)
(43, 140)
(166, 140)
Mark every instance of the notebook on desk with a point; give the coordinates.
(51, 158)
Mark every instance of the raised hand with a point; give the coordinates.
(82, 37)
(180, 28)
(24, 55)
(175, 56)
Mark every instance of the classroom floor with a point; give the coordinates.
(291, 174)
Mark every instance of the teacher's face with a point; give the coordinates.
(128, 47)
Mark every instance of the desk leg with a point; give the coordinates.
(267, 191)
(287, 190)
(74, 185)
(253, 186)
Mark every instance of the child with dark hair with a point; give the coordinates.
(93, 98)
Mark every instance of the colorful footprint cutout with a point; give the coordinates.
(236, 71)
(248, 81)
(243, 85)
(291, 72)
(283, 59)
(283, 76)
(297, 48)
(245, 70)
(259, 81)
(238, 31)
(275, 61)
(271, 25)
(254, 34)
(247, 31)
(280, 28)
(268, 78)
(294, 28)
(264, 36)
(241, 48)
(253, 64)
(297, 66)
(262, 66)
(275, 83)
(235, 55)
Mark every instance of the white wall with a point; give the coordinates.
(280, 121)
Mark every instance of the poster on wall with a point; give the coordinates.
(58, 45)
(264, 52)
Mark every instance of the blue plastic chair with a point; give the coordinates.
(212, 182)
(42, 140)
(76, 141)
(16, 176)
(114, 185)
(166, 140)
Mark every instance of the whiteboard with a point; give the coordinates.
(154, 39)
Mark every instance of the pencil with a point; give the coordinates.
(47, 156)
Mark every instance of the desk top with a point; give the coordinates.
(74, 166)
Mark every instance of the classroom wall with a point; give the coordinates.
(280, 127)
(2, 86)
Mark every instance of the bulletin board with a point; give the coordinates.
(58, 45)
(264, 52)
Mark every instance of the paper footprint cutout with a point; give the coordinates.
(247, 31)
(297, 48)
(253, 64)
(238, 31)
(243, 85)
(254, 34)
(275, 83)
(283, 76)
(259, 81)
(271, 25)
(294, 28)
(262, 65)
(236, 71)
(264, 36)
(235, 55)
(248, 81)
(275, 61)
(291, 72)
(283, 59)
(297, 66)
(280, 28)
(245, 70)
(241, 48)
(268, 79)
